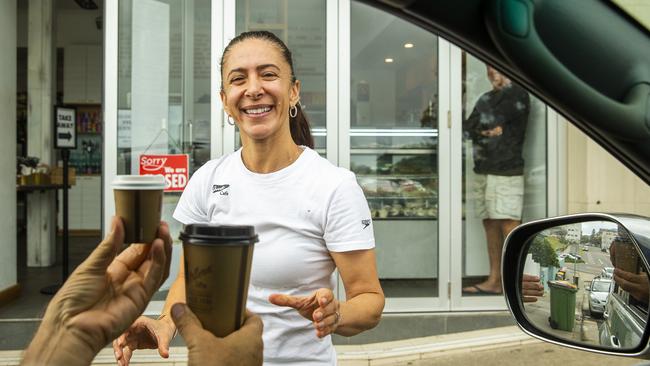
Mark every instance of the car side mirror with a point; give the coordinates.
(581, 309)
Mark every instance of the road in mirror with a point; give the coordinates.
(595, 285)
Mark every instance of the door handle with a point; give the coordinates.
(614, 341)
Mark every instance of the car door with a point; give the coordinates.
(624, 322)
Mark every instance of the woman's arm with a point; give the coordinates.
(360, 312)
(365, 298)
(176, 294)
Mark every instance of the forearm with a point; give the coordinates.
(52, 346)
(176, 294)
(360, 313)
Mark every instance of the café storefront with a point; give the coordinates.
(385, 99)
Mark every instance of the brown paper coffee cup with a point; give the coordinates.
(217, 263)
(138, 201)
(626, 256)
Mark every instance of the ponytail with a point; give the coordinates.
(300, 131)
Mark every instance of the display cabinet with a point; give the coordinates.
(397, 170)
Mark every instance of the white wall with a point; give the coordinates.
(8, 143)
(639, 9)
(597, 182)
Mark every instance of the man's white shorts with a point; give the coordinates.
(499, 197)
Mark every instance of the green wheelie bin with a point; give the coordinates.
(563, 305)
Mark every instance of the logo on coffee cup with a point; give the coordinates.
(197, 273)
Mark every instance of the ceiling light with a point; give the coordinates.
(408, 45)
(388, 60)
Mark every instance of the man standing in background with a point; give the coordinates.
(497, 127)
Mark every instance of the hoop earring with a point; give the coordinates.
(230, 120)
(293, 111)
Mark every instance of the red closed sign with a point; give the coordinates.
(175, 169)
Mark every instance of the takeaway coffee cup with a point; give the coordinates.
(138, 201)
(626, 256)
(217, 271)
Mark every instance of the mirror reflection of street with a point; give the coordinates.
(581, 294)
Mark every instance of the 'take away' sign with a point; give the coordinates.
(65, 132)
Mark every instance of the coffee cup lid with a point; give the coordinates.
(141, 182)
(218, 234)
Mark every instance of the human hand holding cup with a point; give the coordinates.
(624, 256)
(243, 347)
(217, 262)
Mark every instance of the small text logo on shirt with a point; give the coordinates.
(221, 188)
(365, 223)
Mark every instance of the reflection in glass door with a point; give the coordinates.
(393, 145)
(504, 169)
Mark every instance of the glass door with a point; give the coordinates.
(500, 173)
(158, 101)
(396, 102)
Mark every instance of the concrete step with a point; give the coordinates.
(383, 353)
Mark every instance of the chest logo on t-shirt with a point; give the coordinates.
(222, 189)
(365, 223)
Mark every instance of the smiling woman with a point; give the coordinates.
(257, 69)
(312, 217)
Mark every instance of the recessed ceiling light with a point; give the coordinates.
(388, 60)
(408, 45)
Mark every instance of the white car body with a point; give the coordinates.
(598, 293)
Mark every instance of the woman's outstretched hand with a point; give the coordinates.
(320, 307)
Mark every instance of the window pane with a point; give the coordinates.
(394, 143)
(163, 85)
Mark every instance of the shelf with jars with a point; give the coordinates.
(401, 197)
(87, 157)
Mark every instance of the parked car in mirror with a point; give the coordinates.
(599, 291)
(607, 272)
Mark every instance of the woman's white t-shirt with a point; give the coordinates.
(301, 213)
